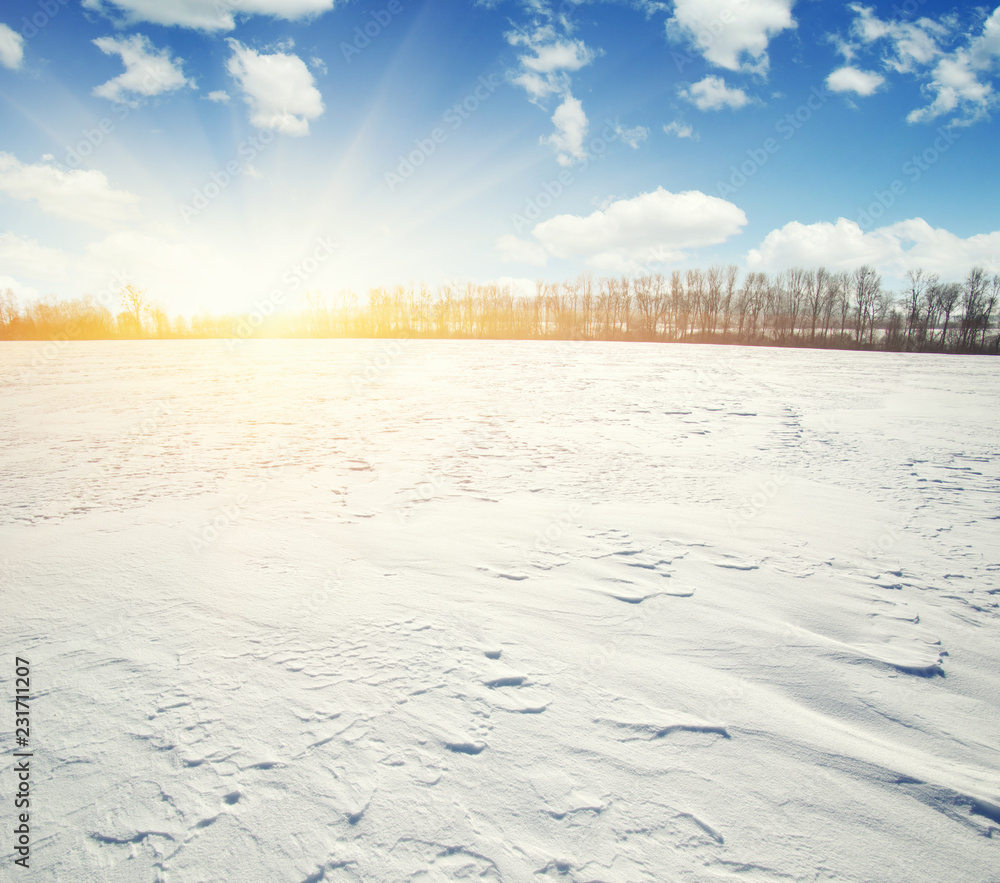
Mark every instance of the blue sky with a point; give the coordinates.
(218, 152)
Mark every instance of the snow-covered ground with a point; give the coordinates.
(429, 610)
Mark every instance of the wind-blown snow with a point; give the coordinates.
(363, 610)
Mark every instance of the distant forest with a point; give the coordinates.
(797, 307)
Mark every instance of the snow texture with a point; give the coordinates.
(453, 610)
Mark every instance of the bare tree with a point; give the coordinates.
(729, 296)
(8, 308)
(989, 304)
(973, 302)
(945, 297)
(799, 282)
(754, 298)
(159, 319)
(916, 293)
(134, 308)
(815, 285)
(661, 305)
(694, 284)
(678, 302)
(866, 284)
(842, 293)
(774, 307)
(712, 299)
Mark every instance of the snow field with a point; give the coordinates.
(506, 611)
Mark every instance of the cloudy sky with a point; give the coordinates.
(217, 151)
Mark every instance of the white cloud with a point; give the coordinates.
(11, 47)
(632, 137)
(985, 49)
(731, 35)
(681, 130)
(959, 79)
(141, 255)
(220, 96)
(566, 55)
(851, 79)
(27, 258)
(521, 250)
(148, 71)
(893, 249)
(279, 88)
(571, 128)
(543, 73)
(712, 93)
(206, 15)
(519, 286)
(23, 292)
(538, 88)
(912, 44)
(629, 234)
(955, 78)
(185, 273)
(958, 88)
(78, 195)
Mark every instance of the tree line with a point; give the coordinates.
(796, 307)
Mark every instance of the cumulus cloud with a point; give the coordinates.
(27, 258)
(893, 249)
(205, 15)
(632, 137)
(957, 87)
(681, 130)
(139, 254)
(559, 55)
(544, 72)
(851, 79)
(544, 69)
(279, 89)
(219, 96)
(571, 128)
(148, 71)
(712, 93)
(959, 79)
(521, 251)
(11, 48)
(630, 234)
(910, 44)
(731, 35)
(78, 195)
(956, 81)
